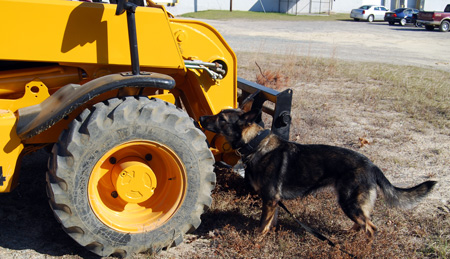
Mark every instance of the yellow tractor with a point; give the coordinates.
(129, 169)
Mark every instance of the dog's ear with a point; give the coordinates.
(246, 106)
(251, 116)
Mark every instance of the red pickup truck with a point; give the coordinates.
(433, 20)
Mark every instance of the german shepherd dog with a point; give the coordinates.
(278, 169)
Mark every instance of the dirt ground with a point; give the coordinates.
(323, 113)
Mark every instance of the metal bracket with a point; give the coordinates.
(281, 114)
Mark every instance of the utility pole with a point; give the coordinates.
(231, 5)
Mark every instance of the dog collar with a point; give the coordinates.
(253, 144)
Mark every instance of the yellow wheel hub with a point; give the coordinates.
(137, 186)
(135, 182)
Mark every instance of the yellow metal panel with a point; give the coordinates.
(10, 151)
(35, 92)
(167, 97)
(81, 32)
(198, 40)
(12, 82)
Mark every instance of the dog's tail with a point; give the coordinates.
(402, 197)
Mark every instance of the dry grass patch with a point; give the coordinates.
(422, 94)
(230, 229)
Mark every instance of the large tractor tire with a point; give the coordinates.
(130, 175)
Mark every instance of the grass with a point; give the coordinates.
(422, 94)
(227, 15)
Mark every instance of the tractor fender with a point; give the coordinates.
(37, 118)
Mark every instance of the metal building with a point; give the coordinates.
(295, 6)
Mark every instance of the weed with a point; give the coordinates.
(271, 79)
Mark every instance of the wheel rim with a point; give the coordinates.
(137, 186)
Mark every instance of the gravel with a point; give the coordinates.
(347, 40)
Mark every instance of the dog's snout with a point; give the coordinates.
(207, 122)
(202, 120)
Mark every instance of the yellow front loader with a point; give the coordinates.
(114, 90)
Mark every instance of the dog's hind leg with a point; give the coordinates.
(358, 208)
(269, 216)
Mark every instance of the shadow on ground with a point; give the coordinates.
(26, 220)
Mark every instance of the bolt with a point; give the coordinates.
(114, 194)
(286, 118)
(113, 160)
(148, 157)
(283, 120)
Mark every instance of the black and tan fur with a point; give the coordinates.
(279, 169)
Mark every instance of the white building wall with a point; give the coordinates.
(305, 6)
(345, 6)
(187, 6)
(411, 4)
(435, 5)
(299, 6)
